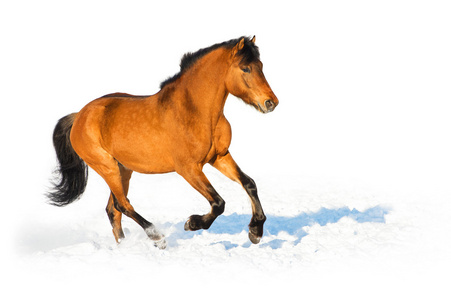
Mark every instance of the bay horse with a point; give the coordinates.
(179, 129)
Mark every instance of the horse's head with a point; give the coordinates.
(245, 77)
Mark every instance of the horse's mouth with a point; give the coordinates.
(267, 108)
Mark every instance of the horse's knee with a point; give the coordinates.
(248, 184)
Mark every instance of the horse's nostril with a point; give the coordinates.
(270, 105)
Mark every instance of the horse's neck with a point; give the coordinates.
(203, 86)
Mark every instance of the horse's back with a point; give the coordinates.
(129, 128)
(123, 95)
(105, 108)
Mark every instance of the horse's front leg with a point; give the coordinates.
(227, 166)
(199, 181)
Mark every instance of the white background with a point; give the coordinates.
(364, 91)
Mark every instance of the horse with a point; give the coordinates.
(179, 129)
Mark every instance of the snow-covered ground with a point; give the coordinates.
(353, 168)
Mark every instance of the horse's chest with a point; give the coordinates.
(203, 143)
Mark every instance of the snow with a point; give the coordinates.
(353, 167)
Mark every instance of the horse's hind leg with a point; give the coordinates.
(115, 215)
(109, 169)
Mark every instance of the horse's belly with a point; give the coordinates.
(150, 166)
(148, 160)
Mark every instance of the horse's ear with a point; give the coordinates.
(253, 39)
(240, 44)
(238, 47)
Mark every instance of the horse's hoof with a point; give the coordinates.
(161, 244)
(118, 235)
(194, 223)
(186, 227)
(254, 239)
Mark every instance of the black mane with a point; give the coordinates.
(248, 54)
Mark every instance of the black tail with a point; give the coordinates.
(72, 172)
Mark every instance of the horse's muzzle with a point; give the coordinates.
(270, 105)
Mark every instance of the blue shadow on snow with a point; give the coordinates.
(235, 224)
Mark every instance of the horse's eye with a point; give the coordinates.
(246, 70)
